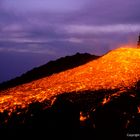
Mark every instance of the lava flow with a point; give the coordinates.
(118, 69)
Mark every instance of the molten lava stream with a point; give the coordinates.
(118, 69)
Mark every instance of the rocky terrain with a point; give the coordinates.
(101, 94)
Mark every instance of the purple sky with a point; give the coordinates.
(33, 32)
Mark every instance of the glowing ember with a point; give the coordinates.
(105, 100)
(119, 69)
(82, 117)
(138, 109)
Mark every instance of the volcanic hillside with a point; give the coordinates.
(61, 64)
(101, 93)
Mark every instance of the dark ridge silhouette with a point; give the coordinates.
(50, 68)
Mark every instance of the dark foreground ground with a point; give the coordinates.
(119, 116)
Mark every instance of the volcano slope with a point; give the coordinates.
(52, 67)
(103, 93)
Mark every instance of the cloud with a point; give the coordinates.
(101, 12)
(95, 29)
(12, 28)
(45, 5)
(26, 48)
(100, 22)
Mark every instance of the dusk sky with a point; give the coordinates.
(33, 32)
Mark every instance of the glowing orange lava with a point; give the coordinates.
(106, 100)
(82, 118)
(119, 69)
(138, 109)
